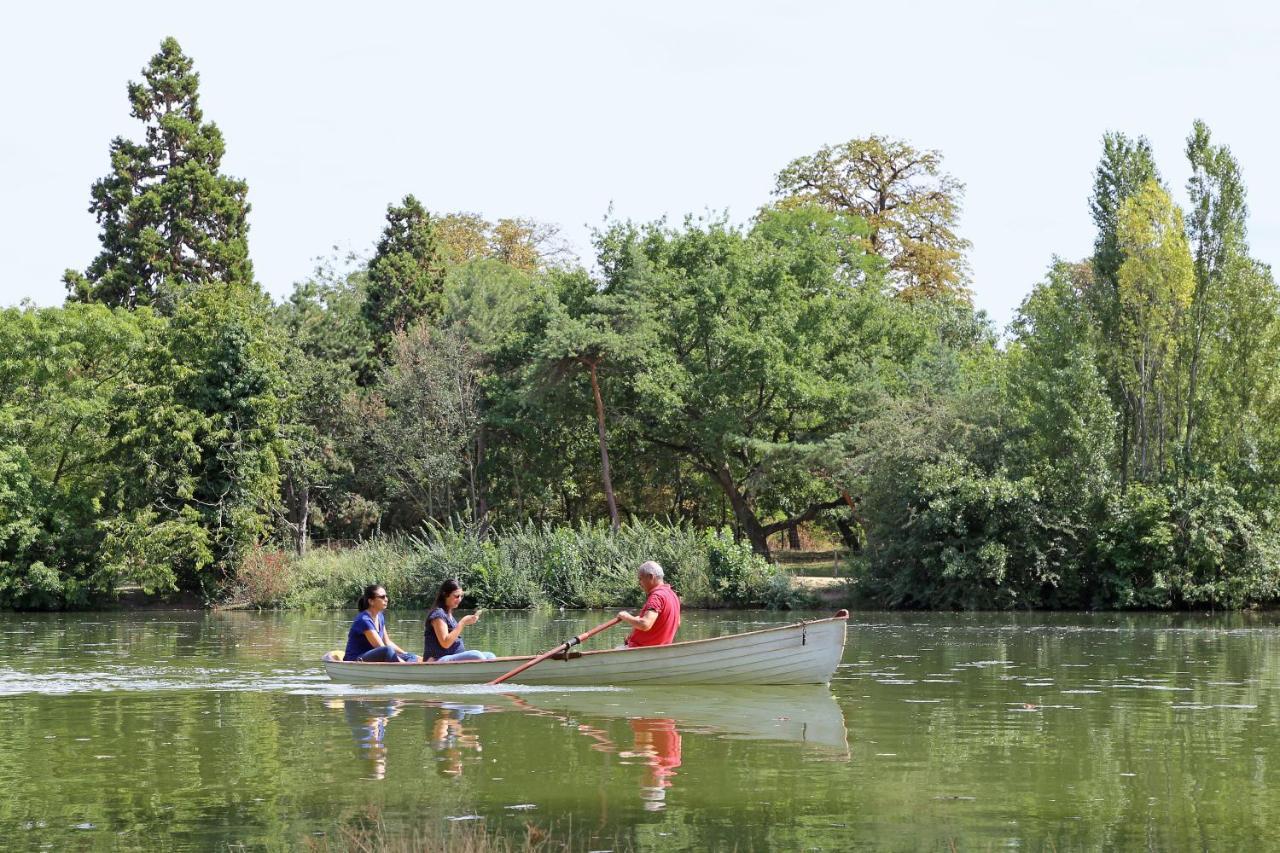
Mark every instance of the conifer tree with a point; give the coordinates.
(170, 219)
(406, 274)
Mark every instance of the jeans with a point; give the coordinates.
(469, 654)
(386, 654)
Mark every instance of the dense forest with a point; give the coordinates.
(820, 367)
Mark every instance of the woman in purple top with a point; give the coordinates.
(443, 637)
(367, 640)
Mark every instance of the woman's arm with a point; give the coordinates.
(447, 638)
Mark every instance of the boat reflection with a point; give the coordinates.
(657, 720)
(368, 721)
(659, 717)
(800, 714)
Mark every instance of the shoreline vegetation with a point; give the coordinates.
(587, 567)
(468, 398)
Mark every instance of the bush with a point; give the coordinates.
(588, 566)
(263, 578)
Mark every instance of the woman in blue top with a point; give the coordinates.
(367, 641)
(443, 638)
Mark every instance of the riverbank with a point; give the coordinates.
(523, 567)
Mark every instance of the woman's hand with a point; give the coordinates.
(470, 619)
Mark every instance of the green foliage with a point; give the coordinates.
(1161, 548)
(909, 205)
(170, 220)
(61, 372)
(584, 566)
(969, 539)
(1120, 449)
(195, 456)
(406, 274)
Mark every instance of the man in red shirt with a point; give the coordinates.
(660, 617)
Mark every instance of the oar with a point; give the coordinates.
(563, 647)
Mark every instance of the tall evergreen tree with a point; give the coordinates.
(406, 274)
(170, 219)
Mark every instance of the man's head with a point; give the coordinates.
(649, 574)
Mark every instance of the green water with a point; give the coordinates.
(968, 732)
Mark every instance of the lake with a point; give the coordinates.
(198, 731)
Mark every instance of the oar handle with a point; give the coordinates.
(563, 647)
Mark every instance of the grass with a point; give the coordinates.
(589, 566)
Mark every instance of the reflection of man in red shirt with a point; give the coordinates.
(658, 742)
(659, 619)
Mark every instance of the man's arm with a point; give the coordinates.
(643, 622)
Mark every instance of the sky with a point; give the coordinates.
(571, 112)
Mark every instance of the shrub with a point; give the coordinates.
(588, 566)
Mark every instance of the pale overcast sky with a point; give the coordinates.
(559, 110)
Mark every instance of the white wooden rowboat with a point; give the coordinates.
(799, 653)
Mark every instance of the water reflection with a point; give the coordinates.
(367, 719)
(657, 721)
(657, 744)
(449, 739)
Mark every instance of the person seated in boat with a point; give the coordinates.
(442, 640)
(367, 640)
(659, 619)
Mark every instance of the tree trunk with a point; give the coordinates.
(481, 508)
(849, 536)
(297, 500)
(303, 529)
(743, 513)
(793, 537)
(604, 444)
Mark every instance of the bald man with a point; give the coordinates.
(659, 619)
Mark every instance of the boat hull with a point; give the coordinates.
(801, 653)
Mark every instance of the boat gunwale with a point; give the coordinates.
(841, 616)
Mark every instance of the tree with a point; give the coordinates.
(522, 243)
(1062, 423)
(61, 371)
(326, 345)
(588, 329)
(170, 219)
(196, 444)
(406, 275)
(1124, 168)
(1154, 285)
(1216, 228)
(910, 206)
(761, 355)
(423, 415)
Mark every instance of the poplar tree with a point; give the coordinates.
(169, 218)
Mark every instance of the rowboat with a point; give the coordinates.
(805, 652)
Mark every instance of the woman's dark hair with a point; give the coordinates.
(448, 588)
(369, 590)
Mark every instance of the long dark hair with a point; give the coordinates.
(369, 590)
(448, 588)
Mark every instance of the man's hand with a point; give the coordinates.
(626, 617)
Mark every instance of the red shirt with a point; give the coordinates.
(662, 601)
